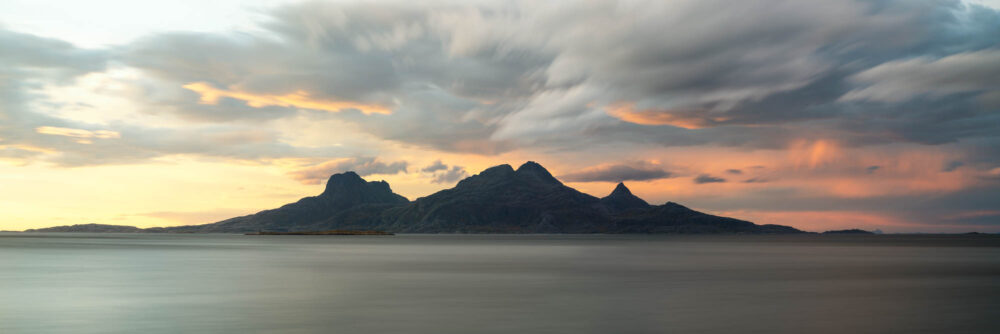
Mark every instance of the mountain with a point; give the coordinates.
(503, 200)
(675, 218)
(89, 228)
(622, 199)
(499, 199)
(344, 193)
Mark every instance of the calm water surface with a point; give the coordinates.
(155, 283)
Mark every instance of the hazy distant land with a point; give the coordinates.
(91, 228)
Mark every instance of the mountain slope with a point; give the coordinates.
(497, 200)
(622, 199)
(89, 228)
(503, 200)
(346, 191)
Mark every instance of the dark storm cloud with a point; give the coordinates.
(390, 55)
(491, 77)
(705, 178)
(638, 171)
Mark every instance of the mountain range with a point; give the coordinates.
(499, 199)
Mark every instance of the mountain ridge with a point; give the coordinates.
(499, 199)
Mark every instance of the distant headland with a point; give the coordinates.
(499, 199)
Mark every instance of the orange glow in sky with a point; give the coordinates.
(688, 119)
(299, 99)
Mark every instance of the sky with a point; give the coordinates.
(814, 114)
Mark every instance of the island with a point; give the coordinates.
(500, 199)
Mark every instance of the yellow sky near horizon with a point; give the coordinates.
(848, 114)
(183, 190)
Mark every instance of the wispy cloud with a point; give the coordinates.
(298, 99)
(636, 171)
(363, 166)
(705, 178)
(82, 136)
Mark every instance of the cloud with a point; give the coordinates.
(872, 169)
(363, 166)
(705, 178)
(451, 175)
(33, 132)
(440, 172)
(687, 119)
(975, 72)
(734, 171)
(639, 171)
(493, 77)
(952, 166)
(298, 99)
(436, 166)
(83, 136)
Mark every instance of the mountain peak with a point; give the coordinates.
(497, 200)
(536, 171)
(345, 180)
(621, 190)
(622, 199)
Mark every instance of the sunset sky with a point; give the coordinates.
(814, 114)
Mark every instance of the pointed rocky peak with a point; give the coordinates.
(537, 173)
(620, 190)
(622, 199)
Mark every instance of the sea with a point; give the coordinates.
(227, 283)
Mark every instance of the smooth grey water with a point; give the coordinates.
(173, 283)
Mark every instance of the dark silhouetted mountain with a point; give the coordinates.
(675, 218)
(497, 200)
(850, 231)
(621, 199)
(90, 228)
(502, 200)
(344, 192)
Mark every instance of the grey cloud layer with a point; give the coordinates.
(636, 171)
(363, 166)
(705, 178)
(28, 63)
(489, 77)
(442, 174)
